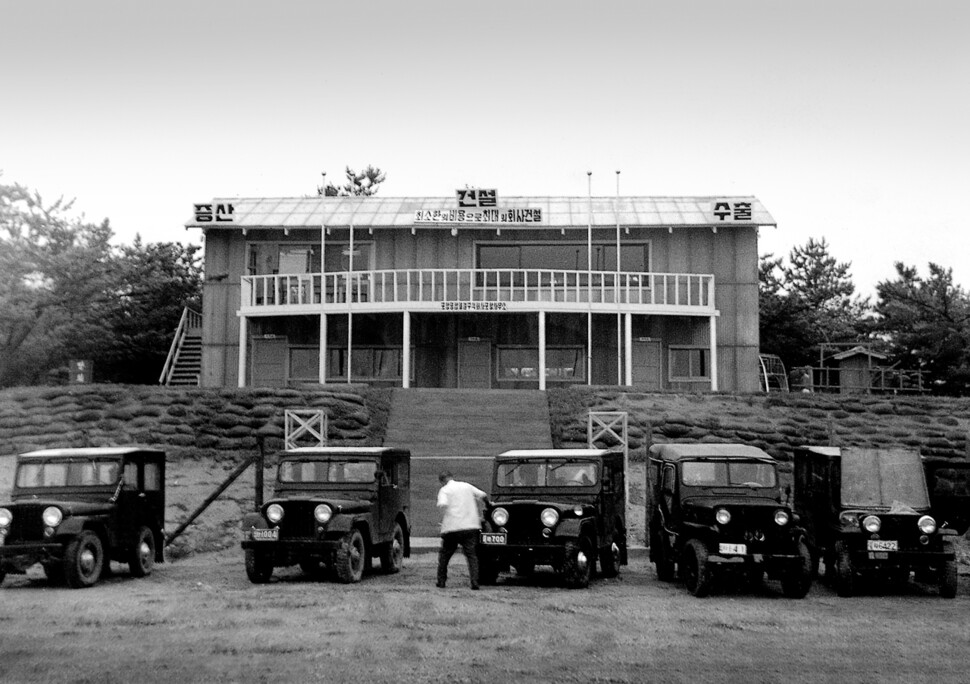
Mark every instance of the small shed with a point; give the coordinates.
(858, 367)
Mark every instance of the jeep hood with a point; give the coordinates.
(712, 501)
(69, 507)
(337, 503)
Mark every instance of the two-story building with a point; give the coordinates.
(482, 291)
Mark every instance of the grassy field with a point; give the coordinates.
(199, 619)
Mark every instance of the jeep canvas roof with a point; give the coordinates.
(343, 451)
(555, 453)
(676, 452)
(90, 452)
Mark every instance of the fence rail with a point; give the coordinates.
(691, 290)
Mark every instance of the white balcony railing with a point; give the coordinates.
(399, 288)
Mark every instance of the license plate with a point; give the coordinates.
(492, 538)
(732, 549)
(882, 545)
(266, 535)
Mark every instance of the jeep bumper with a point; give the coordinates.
(914, 559)
(18, 557)
(287, 550)
(540, 554)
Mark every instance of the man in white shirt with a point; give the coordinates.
(461, 507)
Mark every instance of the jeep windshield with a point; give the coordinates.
(712, 473)
(75, 473)
(327, 472)
(547, 473)
(879, 478)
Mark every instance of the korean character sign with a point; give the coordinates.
(81, 371)
(207, 213)
(203, 213)
(733, 211)
(477, 198)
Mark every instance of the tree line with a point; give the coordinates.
(67, 293)
(809, 307)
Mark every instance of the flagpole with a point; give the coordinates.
(589, 279)
(616, 288)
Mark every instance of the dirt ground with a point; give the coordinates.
(199, 619)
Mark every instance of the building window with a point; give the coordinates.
(689, 364)
(634, 258)
(563, 364)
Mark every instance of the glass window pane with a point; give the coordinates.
(152, 477)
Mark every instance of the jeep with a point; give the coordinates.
(333, 509)
(867, 514)
(718, 510)
(560, 507)
(75, 510)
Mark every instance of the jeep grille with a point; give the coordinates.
(298, 521)
(524, 526)
(27, 525)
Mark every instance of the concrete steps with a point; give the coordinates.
(461, 431)
(188, 362)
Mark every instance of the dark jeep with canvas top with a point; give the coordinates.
(75, 510)
(869, 518)
(719, 509)
(560, 507)
(333, 509)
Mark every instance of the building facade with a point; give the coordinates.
(481, 291)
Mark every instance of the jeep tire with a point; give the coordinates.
(141, 555)
(576, 567)
(392, 553)
(797, 579)
(696, 569)
(610, 556)
(259, 566)
(487, 569)
(844, 571)
(948, 575)
(351, 557)
(83, 560)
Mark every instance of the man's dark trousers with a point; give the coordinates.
(450, 541)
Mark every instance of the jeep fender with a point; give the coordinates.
(574, 529)
(251, 520)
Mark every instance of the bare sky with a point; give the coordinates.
(848, 120)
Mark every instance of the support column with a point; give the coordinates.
(323, 350)
(542, 350)
(589, 344)
(629, 349)
(243, 338)
(406, 352)
(713, 329)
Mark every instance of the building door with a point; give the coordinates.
(475, 363)
(646, 364)
(269, 361)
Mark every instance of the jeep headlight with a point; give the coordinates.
(578, 510)
(500, 516)
(52, 516)
(274, 513)
(549, 517)
(926, 525)
(723, 516)
(6, 517)
(872, 523)
(781, 517)
(322, 513)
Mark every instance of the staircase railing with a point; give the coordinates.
(191, 320)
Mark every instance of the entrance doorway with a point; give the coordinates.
(269, 361)
(475, 363)
(647, 364)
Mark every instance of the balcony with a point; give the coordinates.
(690, 294)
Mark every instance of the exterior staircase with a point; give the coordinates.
(184, 363)
(461, 431)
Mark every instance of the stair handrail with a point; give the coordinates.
(190, 319)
